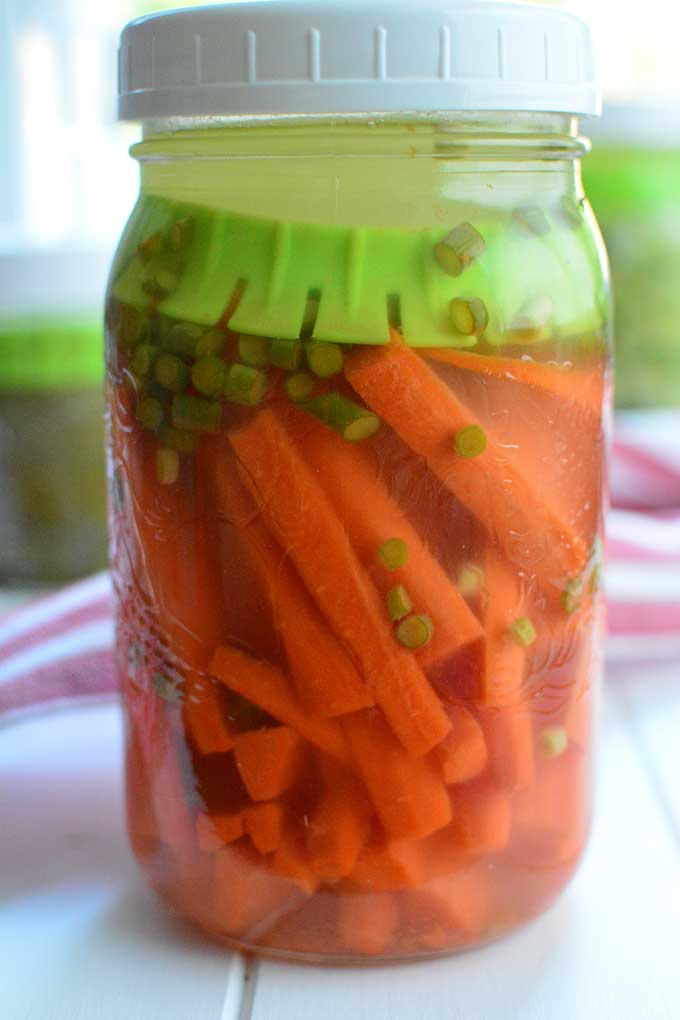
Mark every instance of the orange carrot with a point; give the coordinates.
(367, 922)
(325, 677)
(460, 678)
(268, 687)
(327, 681)
(563, 460)
(483, 816)
(457, 908)
(504, 661)
(585, 388)
(505, 715)
(365, 507)
(312, 928)
(174, 540)
(203, 715)
(443, 854)
(390, 867)
(269, 761)
(264, 824)
(302, 517)
(247, 899)
(177, 538)
(551, 820)
(398, 385)
(408, 794)
(291, 861)
(463, 754)
(214, 831)
(339, 824)
(510, 740)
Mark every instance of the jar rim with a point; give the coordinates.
(480, 135)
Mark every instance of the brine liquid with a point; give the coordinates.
(299, 779)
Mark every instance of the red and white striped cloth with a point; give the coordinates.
(59, 649)
(644, 537)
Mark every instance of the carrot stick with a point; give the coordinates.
(450, 910)
(325, 677)
(365, 507)
(298, 511)
(339, 824)
(509, 736)
(390, 868)
(209, 729)
(585, 388)
(311, 929)
(268, 687)
(408, 794)
(504, 664)
(291, 861)
(483, 816)
(177, 539)
(367, 922)
(174, 562)
(463, 754)
(264, 824)
(214, 831)
(269, 761)
(504, 713)
(443, 854)
(551, 819)
(327, 681)
(398, 385)
(498, 685)
(247, 898)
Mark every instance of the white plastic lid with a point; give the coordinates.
(273, 57)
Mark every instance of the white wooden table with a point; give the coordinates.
(82, 939)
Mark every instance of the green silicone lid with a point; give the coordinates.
(358, 273)
(51, 354)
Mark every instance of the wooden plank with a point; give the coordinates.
(81, 938)
(607, 950)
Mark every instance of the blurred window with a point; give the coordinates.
(61, 150)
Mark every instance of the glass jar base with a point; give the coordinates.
(352, 959)
(497, 933)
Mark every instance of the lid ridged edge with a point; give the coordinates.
(275, 58)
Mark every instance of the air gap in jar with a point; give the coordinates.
(358, 339)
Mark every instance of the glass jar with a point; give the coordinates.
(53, 497)
(358, 378)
